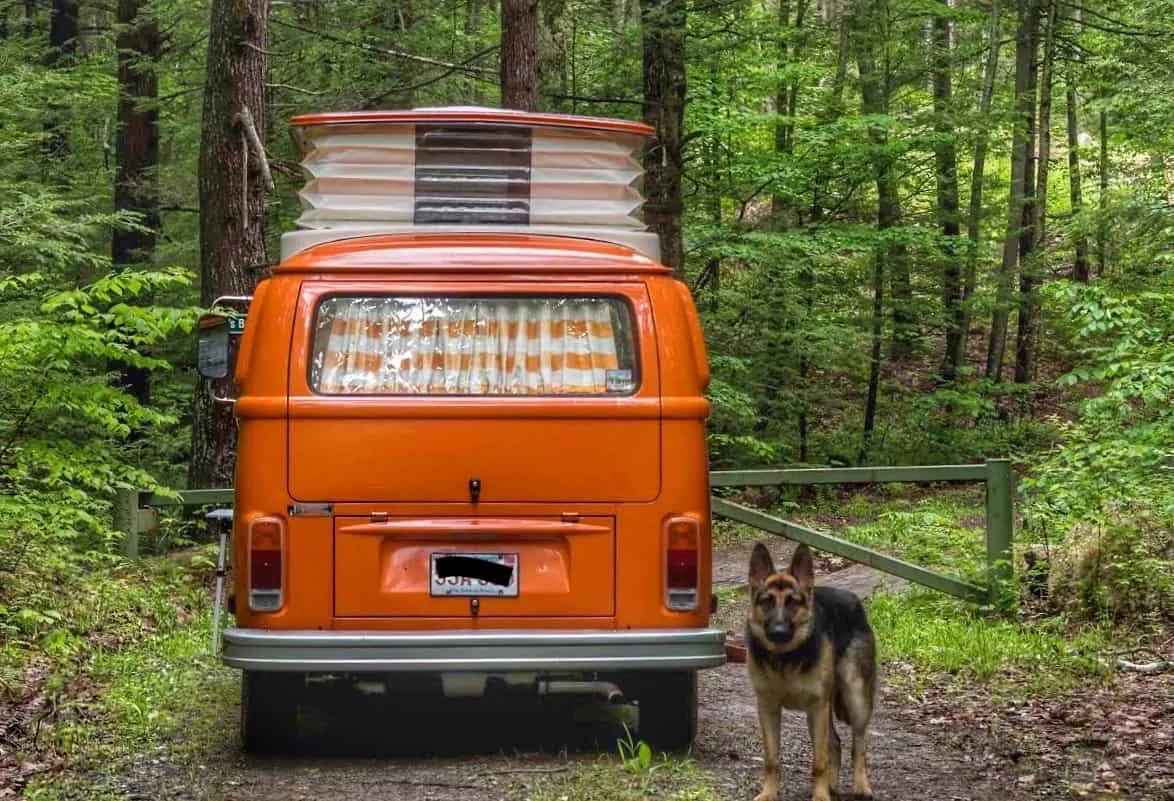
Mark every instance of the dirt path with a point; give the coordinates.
(446, 751)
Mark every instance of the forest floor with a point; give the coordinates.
(158, 720)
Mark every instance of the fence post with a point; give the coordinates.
(126, 520)
(999, 527)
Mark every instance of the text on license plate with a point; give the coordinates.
(473, 574)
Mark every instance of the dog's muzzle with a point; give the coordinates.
(780, 632)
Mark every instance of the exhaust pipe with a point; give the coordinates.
(605, 689)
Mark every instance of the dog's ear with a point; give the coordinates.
(761, 566)
(803, 567)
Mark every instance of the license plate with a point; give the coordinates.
(493, 574)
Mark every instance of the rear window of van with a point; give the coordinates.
(473, 345)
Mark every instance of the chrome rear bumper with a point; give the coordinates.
(465, 650)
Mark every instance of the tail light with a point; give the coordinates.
(266, 563)
(682, 541)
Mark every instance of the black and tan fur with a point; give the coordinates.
(809, 648)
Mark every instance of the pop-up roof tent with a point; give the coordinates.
(463, 169)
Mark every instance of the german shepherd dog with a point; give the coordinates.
(809, 648)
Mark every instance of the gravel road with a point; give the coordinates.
(382, 750)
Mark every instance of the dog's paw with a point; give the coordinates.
(767, 796)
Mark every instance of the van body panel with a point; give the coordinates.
(639, 459)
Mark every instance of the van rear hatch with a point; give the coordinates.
(477, 393)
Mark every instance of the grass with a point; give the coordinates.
(611, 779)
(932, 634)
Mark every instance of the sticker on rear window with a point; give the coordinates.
(619, 381)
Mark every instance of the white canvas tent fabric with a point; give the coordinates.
(392, 177)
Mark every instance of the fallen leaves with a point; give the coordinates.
(1108, 741)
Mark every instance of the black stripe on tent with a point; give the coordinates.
(470, 174)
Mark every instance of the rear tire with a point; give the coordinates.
(667, 701)
(269, 710)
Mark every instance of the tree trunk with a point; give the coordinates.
(663, 23)
(519, 54)
(785, 126)
(1080, 266)
(1022, 137)
(977, 179)
(1030, 268)
(232, 208)
(62, 52)
(875, 37)
(136, 154)
(1103, 198)
(29, 28)
(946, 158)
(890, 258)
(787, 93)
(63, 33)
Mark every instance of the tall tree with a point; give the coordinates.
(232, 200)
(1030, 268)
(870, 22)
(977, 178)
(1080, 267)
(136, 152)
(62, 52)
(946, 159)
(663, 31)
(519, 54)
(63, 33)
(1103, 196)
(1019, 205)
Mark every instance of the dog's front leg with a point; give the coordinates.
(769, 718)
(819, 723)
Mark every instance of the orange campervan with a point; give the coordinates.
(471, 425)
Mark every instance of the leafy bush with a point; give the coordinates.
(1099, 501)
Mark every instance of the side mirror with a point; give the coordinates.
(212, 359)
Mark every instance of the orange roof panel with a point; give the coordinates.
(430, 252)
(474, 114)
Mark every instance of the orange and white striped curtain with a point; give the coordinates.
(468, 346)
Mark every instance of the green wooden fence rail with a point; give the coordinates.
(136, 512)
(995, 473)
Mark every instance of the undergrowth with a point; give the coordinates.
(158, 701)
(68, 609)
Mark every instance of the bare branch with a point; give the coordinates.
(580, 99)
(375, 100)
(295, 89)
(1119, 26)
(384, 51)
(245, 118)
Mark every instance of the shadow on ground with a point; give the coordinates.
(431, 725)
